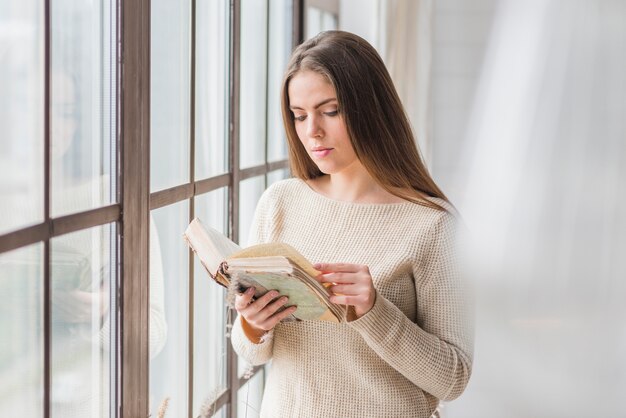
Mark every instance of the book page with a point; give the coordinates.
(211, 246)
(278, 249)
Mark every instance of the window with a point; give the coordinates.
(321, 15)
(106, 156)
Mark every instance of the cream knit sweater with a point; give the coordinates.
(412, 349)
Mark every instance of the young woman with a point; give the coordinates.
(364, 207)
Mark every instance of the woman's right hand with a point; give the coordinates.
(260, 316)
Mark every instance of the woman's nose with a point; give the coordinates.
(313, 128)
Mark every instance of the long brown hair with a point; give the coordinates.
(376, 121)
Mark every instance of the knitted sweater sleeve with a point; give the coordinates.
(261, 353)
(436, 352)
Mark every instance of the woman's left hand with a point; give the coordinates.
(352, 285)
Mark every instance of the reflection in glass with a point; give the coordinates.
(250, 395)
(21, 114)
(221, 413)
(169, 365)
(21, 322)
(209, 362)
(82, 276)
(280, 42)
(252, 96)
(249, 193)
(211, 88)
(169, 93)
(82, 107)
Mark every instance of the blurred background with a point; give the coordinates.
(519, 109)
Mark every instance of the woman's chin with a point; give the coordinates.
(326, 170)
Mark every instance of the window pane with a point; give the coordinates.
(212, 88)
(169, 288)
(252, 97)
(83, 275)
(318, 20)
(249, 193)
(169, 93)
(21, 114)
(250, 395)
(221, 413)
(277, 175)
(279, 50)
(21, 322)
(209, 362)
(313, 21)
(82, 110)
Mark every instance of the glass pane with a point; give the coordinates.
(318, 20)
(83, 275)
(21, 114)
(209, 362)
(249, 396)
(279, 50)
(277, 175)
(211, 88)
(313, 21)
(221, 413)
(169, 93)
(249, 193)
(252, 97)
(21, 322)
(329, 21)
(82, 105)
(169, 289)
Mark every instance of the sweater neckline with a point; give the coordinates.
(320, 196)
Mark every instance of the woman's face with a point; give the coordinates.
(63, 119)
(319, 124)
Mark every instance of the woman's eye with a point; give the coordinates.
(333, 113)
(299, 118)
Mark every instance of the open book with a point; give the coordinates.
(274, 266)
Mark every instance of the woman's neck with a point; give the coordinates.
(355, 185)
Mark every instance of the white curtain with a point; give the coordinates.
(401, 32)
(545, 200)
(405, 42)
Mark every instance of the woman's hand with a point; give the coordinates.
(352, 285)
(262, 314)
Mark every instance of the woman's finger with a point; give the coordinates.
(243, 300)
(272, 308)
(276, 318)
(353, 300)
(344, 278)
(259, 304)
(347, 289)
(334, 267)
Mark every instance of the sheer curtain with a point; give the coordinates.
(405, 42)
(544, 201)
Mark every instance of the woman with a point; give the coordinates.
(364, 207)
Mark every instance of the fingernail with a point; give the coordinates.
(284, 299)
(273, 294)
(250, 291)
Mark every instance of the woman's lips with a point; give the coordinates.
(321, 153)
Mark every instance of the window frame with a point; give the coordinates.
(131, 213)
